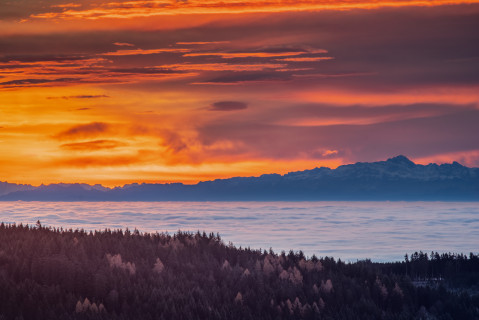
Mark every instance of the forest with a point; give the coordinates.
(54, 273)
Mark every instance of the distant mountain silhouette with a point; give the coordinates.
(6, 188)
(397, 178)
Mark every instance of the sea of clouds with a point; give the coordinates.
(382, 231)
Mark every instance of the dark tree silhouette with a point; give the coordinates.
(49, 273)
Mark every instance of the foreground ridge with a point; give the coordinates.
(50, 273)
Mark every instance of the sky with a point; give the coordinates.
(116, 92)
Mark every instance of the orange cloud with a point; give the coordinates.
(231, 55)
(66, 5)
(98, 161)
(192, 43)
(73, 70)
(135, 52)
(330, 152)
(84, 130)
(305, 59)
(123, 44)
(148, 8)
(173, 141)
(48, 71)
(93, 145)
(223, 66)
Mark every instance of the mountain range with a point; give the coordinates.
(395, 179)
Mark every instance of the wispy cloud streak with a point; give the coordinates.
(135, 9)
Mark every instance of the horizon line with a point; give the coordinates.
(111, 187)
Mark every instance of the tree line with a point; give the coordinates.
(53, 273)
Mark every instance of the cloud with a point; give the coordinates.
(145, 70)
(103, 161)
(327, 114)
(330, 153)
(22, 82)
(30, 82)
(87, 96)
(228, 106)
(87, 70)
(290, 46)
(152, 8)
(237, 67)
(123, 44)
(67, 5)
(84, 130)
(172, 141)
(366, 103)
(420, 137)
(305, 59)
(94, 96)
(93, 145)
(238, 77)
(194, 43)
(135, 52)
(41, 58)
(272, 53)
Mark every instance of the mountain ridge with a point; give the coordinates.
(396, 178)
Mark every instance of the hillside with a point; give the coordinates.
(71, 274)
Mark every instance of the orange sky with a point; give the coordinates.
(165, 91)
